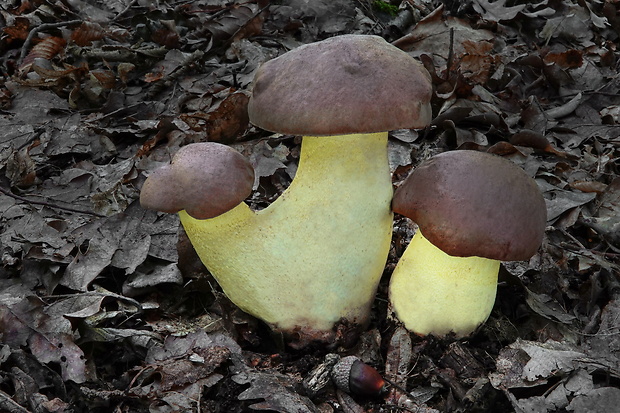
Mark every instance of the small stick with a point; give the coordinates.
(41, 28)
(29, 201)
(450, 54)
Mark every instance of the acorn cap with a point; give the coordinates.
(205, 179)
(470, 203)
(342, 371)
(343, 85)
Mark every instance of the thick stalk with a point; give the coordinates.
(316, 254)
(434, 293)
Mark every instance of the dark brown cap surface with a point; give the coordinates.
(342, 85)
(470, 203)
(205, 179)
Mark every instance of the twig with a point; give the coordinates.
(125, 10)
(41, 28)
(10, 405)
(48, 204)
(450, 54)
(101, 292)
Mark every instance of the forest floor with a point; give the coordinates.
(102, 309)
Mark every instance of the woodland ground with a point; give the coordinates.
(101, 311)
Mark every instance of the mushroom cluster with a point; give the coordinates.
(312, 260)
(473, 210)
(309, 264)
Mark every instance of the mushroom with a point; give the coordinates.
(473, 210)
(205, 179)
(309, 264)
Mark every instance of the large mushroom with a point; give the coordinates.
(311, 261)
(473, 210)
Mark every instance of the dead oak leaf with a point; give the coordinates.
(606, 220)
(477, 62)
(562, 369)
(48, 336)
(527, 363)
(177, 374)
(120, 240)
(276, 390)
(497, 10)
(181, 367)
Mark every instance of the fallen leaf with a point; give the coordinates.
(276, 390)
(497, 11)
(49, 337)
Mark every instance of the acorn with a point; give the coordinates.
(351, 375)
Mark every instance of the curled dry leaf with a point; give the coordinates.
(569, 59)
(399, 357)
(611, 114)
(565, 109)
(21, 169)
(87, 32)
(226, 120)
(18, 31)
(606, 219)
(46, 49)
(240, 20)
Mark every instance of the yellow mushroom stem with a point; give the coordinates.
(316, 254)
(435, 293)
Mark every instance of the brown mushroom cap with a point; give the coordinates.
(205, 179)
(343, 85)
(470, 203)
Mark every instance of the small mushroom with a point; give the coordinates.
(473, 210)
(205, 179)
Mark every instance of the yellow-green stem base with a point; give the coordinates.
(314, 256)
(432, 292)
